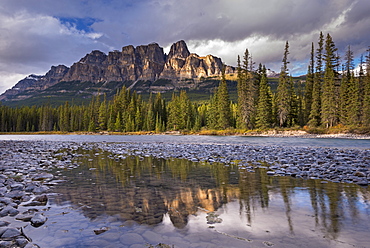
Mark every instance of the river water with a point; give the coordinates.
(204, 139)
(147, 202)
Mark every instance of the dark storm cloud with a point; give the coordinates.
(37, 34)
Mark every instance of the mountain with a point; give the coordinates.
(145, 69)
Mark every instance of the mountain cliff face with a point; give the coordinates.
(144, 68)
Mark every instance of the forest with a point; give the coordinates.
(332, 96)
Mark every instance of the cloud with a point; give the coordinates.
(36, 35)
(33, 43)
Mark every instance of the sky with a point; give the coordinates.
(36, 34)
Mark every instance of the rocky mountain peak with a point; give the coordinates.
(96, 57)
(179, 50)
(144, 64)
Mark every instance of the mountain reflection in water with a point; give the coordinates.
(145, 190)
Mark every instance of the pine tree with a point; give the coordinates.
(213, 112)
(103, 117)
(242, 89)
(329, 113)
(361, 88)
(92, 127)
(309, 86)
(264, 107)
(346, 89)
(179, 112)
(118, 123)
(366, 97)
(315, 113)
(283, 95)
(247, 92)
(354, 101)
(223, 103)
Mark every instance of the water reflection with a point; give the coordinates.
(147, 190)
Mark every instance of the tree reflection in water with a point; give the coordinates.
(144, 190)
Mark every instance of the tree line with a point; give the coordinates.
(332, 94)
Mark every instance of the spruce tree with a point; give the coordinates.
(247, 92)
(366, 97)
(354, 101)
(344, 91)
(309, 86)
(315, 113)
(223, 103)
(329, 113)
(283, 94)
(103, 116)
(242, 90)
(212, 115)
(264, 107)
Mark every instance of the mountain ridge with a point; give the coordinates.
(145, 68)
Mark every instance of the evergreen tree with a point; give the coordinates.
(247, 92)
(315, 113)
(111, 119)
(223, 103)
(92, 127)
(309, 86)
(354, 102)
(361, 88)
(179, 112)
(103, 116)
(118, 123)
(366, 97)
(264, 107)
(212, 112)
(283, 95)
(347, 88)
(329, 113)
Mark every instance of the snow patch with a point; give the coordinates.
(33, 77)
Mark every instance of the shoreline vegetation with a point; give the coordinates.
(287, 132)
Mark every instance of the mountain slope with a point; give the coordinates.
(145, 69)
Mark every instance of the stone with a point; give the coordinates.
(8, 210)
(41, 198)
(17, 186)
(31, 245)
(21, 242)
(6, 200)
(41, 189)
(359, 174)
(27, 215)
(131, 238)
(10, 233)
(38, 220)
(42, 176)
(16, 194)
(152, 237)
(101, 230)
(4, 223)
(5, 243)
(212, 218)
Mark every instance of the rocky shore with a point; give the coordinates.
(26, 181)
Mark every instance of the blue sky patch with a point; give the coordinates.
(81, 24)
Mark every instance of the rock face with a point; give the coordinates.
(143, 63)
(35, 83)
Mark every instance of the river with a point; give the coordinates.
(202, 139)
(142, 201)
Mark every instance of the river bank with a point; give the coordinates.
(26, 181)
(270, 133)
